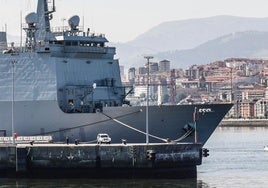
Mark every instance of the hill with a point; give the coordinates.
(180, 35)
(249, 44)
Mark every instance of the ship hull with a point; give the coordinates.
(128, 123)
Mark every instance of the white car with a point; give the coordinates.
(103, 138)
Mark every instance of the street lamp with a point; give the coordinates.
(13, 62)
(147, 99)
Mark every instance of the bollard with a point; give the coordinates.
(150, 155)
(124, 141)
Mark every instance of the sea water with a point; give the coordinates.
(236, 159)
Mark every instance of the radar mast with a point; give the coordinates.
(44, 14)
(31, 20)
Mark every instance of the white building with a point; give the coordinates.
(260, 108)
(141, 91)
(162, 91)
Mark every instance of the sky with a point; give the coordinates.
(123, 20)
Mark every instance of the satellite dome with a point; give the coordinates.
(74, 21)
(31, 18)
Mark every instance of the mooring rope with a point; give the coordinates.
(153, 136)
(137, 130)
(124, 124)
(185, 135)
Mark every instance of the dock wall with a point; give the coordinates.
(94, 160)
(244, 122)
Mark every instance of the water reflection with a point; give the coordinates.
(101, 183)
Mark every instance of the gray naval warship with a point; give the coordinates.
(66, 83)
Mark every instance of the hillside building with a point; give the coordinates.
(164, 66)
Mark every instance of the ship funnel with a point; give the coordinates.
(74, 22)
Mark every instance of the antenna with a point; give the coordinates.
(83, 23)
(74, 22)
(21, 31)
(54, 8)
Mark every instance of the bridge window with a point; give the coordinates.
(56, 42)
(75, 43)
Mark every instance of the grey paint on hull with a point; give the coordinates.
(45, 117)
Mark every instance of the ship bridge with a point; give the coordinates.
(83, 44)
(97, 39)
(74, 40)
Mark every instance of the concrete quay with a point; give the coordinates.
(244, 123)
(171, 160)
